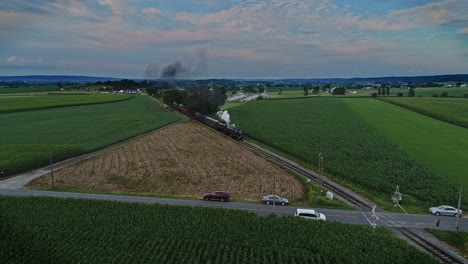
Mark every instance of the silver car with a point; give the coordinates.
(270, 199)
(445, 210)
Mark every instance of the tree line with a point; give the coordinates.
(200, 99)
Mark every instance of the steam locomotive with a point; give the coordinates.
(231, 131)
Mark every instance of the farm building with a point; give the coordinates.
(236, 97)
(250, 98)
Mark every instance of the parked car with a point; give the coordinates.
(310, 214)
(217, 195)
(445, 210)
(270, 199)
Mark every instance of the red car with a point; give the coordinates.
(217, 195)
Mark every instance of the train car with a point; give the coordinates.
(231, 131)
(206, 120)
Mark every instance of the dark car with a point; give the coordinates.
(217, 195)
(270, 199)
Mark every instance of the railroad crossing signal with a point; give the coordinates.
(397, 198)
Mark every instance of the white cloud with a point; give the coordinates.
(152, 12)
(71, 8)
(118, 7)
(14, 61)
(463, 31)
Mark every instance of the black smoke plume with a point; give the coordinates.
(178, 68)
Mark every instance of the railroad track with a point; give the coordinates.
(313, 177)
(429, 247)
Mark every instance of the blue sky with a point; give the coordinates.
(234, 39)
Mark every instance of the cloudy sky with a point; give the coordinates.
(234, 38)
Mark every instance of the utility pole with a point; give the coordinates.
(274, 192)
(51, 168)
(458, 212)
(319, 189)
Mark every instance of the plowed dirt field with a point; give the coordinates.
(181, 160)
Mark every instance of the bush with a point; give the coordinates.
(374, 94)
(435, 95)
(444, 94)
(400, 94)
(339, 90)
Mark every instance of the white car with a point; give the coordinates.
(310, 214)
(445, 210)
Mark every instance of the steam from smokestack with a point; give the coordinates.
(178, 68)
(224, 115)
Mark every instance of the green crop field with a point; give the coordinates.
(451, 110)
(34, 102)
(28, 137)
(41, 88)
(54, 230)
(354, 151)
(428, 92)
(439, 145)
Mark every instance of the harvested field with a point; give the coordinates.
(181, 160)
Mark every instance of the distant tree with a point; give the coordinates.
(280, 91)
(411, 92)
(374, 94)
(249, 88)
(162, 85)
(458, 84)
(60, 85)
(388, 91)
(444, 94)
(175, 96)
(151, 91)
(316, 88)
(379, 92)
(400, 94)
(339, 90)
(306, 91)
(218, 95)
(204, 100)
(383, 91)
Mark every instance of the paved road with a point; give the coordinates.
(344, 216)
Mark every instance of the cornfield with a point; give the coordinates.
(55, 230)
(353, 152)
